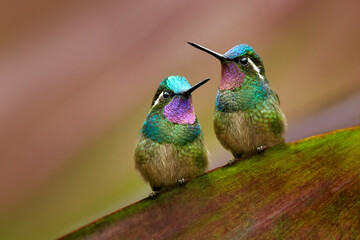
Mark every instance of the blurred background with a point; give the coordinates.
(77, 79)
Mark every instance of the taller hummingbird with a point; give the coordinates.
(247, 116)
(170, 148)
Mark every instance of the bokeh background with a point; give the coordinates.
(77, 79)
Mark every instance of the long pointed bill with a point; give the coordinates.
(193, 88)
(211, 52)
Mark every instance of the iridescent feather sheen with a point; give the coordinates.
(247, 113)
(170, 145)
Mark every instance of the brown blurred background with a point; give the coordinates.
(77, 79)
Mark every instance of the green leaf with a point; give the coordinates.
(309, 189)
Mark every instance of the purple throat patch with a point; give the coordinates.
(231, 77)
(180, 110)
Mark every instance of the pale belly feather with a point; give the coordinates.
(242, 132)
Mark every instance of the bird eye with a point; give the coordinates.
(243, 61)
(166, 95)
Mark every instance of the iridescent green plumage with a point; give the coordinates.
(247, 113)
(170, 146)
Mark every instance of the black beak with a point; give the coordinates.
(193, 88)
(211, 52)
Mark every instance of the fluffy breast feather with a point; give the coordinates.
(164, 164)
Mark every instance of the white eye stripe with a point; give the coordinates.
(255, 68)
(158, 99)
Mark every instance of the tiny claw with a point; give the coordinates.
(154, 194)
(237, 157)
(261, 149)
(181, 181)
(231, 161)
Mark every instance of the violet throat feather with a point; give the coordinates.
(247, 115)
(170, 146)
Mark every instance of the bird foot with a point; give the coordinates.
(154, 194)
(234, 160)
(181, 181)
(261, 149)
(231, 161)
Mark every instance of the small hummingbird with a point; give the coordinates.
(170, 149)
(247, 118)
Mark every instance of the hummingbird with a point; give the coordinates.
(247, 117)
(170, 148)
